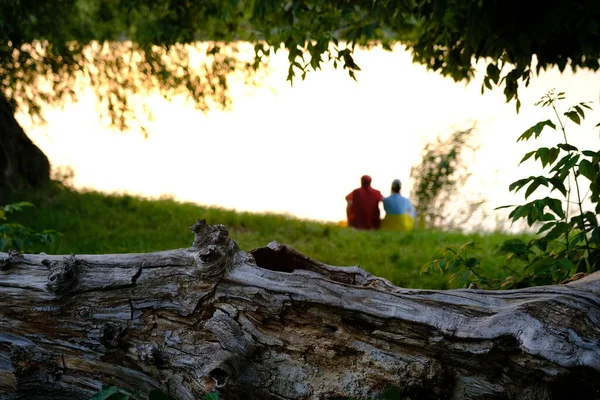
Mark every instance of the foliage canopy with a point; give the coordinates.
(46, 46)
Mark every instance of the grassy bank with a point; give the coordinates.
(93, 223)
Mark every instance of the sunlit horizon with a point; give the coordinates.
(299, 150)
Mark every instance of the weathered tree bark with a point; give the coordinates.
(274, 324)
(21, 161)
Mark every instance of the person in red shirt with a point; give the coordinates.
(363, 205)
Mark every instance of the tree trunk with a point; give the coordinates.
(21, 161)
(275, 324)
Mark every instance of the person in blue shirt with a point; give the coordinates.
(399, 212)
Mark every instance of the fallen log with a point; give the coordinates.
(274, 324)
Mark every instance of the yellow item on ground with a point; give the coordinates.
(401, 222)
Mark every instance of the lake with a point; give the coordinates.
(301, 149)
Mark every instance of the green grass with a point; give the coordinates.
(97, 223)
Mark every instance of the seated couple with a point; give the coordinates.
(363, 208)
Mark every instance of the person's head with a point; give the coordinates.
(396, 186)
(365, 181)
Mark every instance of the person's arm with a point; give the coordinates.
(412, 211)
(348, 206)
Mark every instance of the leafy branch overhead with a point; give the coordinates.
(120, 50)
(46, 48)
(446, 36)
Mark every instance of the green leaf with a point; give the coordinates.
(573, 116)
(501, 207)
(211, 396)
(468, 245)
(565, 264)
(579, 111)
(543, 154)
(580, 220)
(547, 217)
(566, 163)
(555, 205)
(442, 264)
(593, 154)
(526, 157)
(587, 169)
(18, 244)
(486, 84)
(560, 229)
(517, 185)
(427, 267)
(562, 162)
(493, 72)
(536, 130)
(513, 246)
(105, 393)
(472, 262)
(540, 243)
(553, 155)
(453, 277)
(579, 238)
(546, 226)
(591, 218)
(17, 206)
(558, 184)
(542, 265)
(520, 211)
(534, 185)
(567, 147)
(537, 181)
(596, 235)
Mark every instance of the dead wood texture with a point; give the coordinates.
(275, 324)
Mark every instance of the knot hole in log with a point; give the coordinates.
(220, 377)
(111, 334)
(283, 258)
(63, 275)
(276, 257)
